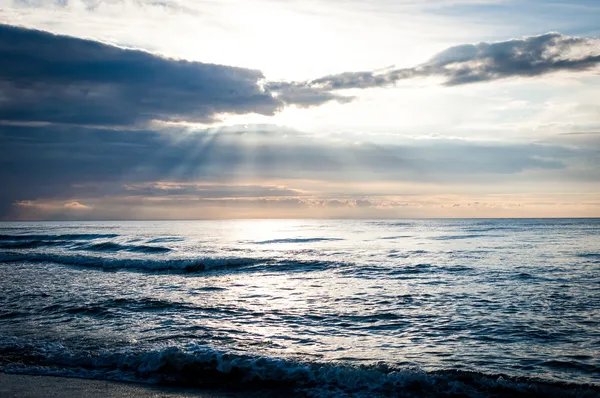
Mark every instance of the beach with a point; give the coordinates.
(26, 386)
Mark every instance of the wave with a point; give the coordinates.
(123, 307)
(63, 237)
(499, 228)
(106, 308)
(181, 265)
(166, 239)
(32, 244)
(200, 366)
(454, 237)
(405, 271)
(296, 240)
(393, 223)
(115, 247)
(145, 304)
(589, 255)
(77, 242)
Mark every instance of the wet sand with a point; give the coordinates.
(25, 386)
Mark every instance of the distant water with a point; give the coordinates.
(324, 308)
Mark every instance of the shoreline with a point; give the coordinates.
(42, 386)
(50, 386)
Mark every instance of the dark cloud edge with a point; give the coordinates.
(61, 79)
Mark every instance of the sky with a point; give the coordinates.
(210, 109)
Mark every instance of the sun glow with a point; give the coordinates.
(265, 230)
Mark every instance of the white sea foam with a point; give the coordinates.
(198, 365)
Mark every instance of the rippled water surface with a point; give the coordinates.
(326, 307)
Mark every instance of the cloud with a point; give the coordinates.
(69, 163)
(57, 153)
(206, 190)
(305, 95)
(75, 205)
(532, 56)
(463, 64)
(113, 208)
(60, 79)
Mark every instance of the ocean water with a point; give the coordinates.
(320, 308)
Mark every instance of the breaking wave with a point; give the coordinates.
(200, 366)
(182, 265)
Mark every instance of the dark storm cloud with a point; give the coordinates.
(468, 63)
(60, 79)
(62, 162)
(51, 78)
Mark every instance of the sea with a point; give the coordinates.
(317, 308)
